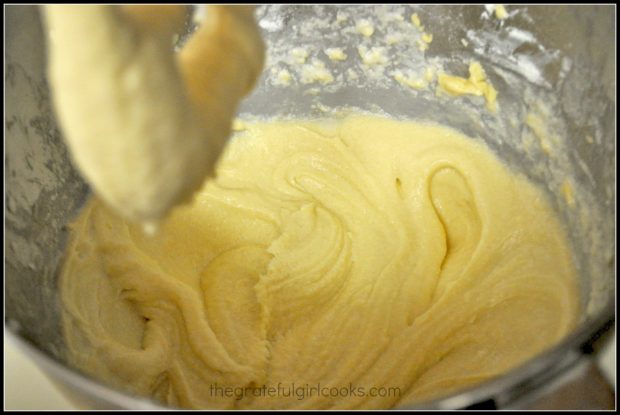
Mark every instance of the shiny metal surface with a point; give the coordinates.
(574, 54)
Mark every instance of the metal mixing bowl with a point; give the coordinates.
(561, 58)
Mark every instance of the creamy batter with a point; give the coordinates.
(367, 252)
(476, 84)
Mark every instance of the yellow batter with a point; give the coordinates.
(477, 84)
(358, 253)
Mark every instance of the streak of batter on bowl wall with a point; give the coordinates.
(362, 262)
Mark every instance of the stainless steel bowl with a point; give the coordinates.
(560, 57)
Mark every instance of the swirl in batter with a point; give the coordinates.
(366, 252)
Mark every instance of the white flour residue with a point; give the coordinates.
(374, 40)
(503, 48)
